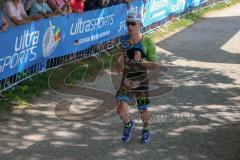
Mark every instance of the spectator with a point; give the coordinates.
(90, 5)
(1, 4)
(41, 8)
(3, 22)
(115, 2)
(77, 6)
(128, 1)
(16, 14)
(103, 3)
(27, 5)
(60, 5)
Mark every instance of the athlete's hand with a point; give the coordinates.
(4, 27)
(36, 18)
(137, 56)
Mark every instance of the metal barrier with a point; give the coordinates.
(57, 62)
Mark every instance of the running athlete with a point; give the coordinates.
(138, 57)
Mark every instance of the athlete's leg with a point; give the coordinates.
(123, 112)
(124, 98)
(144, 114)
(142, 95)
(143, 110)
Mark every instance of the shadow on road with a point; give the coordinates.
(203, 41)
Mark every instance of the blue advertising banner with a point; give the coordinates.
(195, 3)
(188, 4)
(20, 48)
(48, 38)
(26, 45)
(156, 10)
(136, 6)
(177, 6)
(81, 32)
(204, 1)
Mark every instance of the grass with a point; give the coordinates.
(29, 90)
(25, 92)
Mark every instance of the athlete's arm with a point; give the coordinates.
(120, 63)
(151, 60)
(121, 57)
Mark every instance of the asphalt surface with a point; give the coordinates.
(198, 120)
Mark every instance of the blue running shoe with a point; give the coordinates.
(127, 132)
(145, 136)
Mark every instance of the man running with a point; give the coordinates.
(139, 56)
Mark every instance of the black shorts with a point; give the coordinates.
(140, 93)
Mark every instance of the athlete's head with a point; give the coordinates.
(134, 22)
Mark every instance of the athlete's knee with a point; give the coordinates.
(144, 114)
(122, 107)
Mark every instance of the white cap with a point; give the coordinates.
(134, 17)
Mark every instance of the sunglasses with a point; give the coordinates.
(131, 23)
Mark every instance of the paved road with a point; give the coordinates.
(198, 120)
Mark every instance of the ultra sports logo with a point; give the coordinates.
(51, 39)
